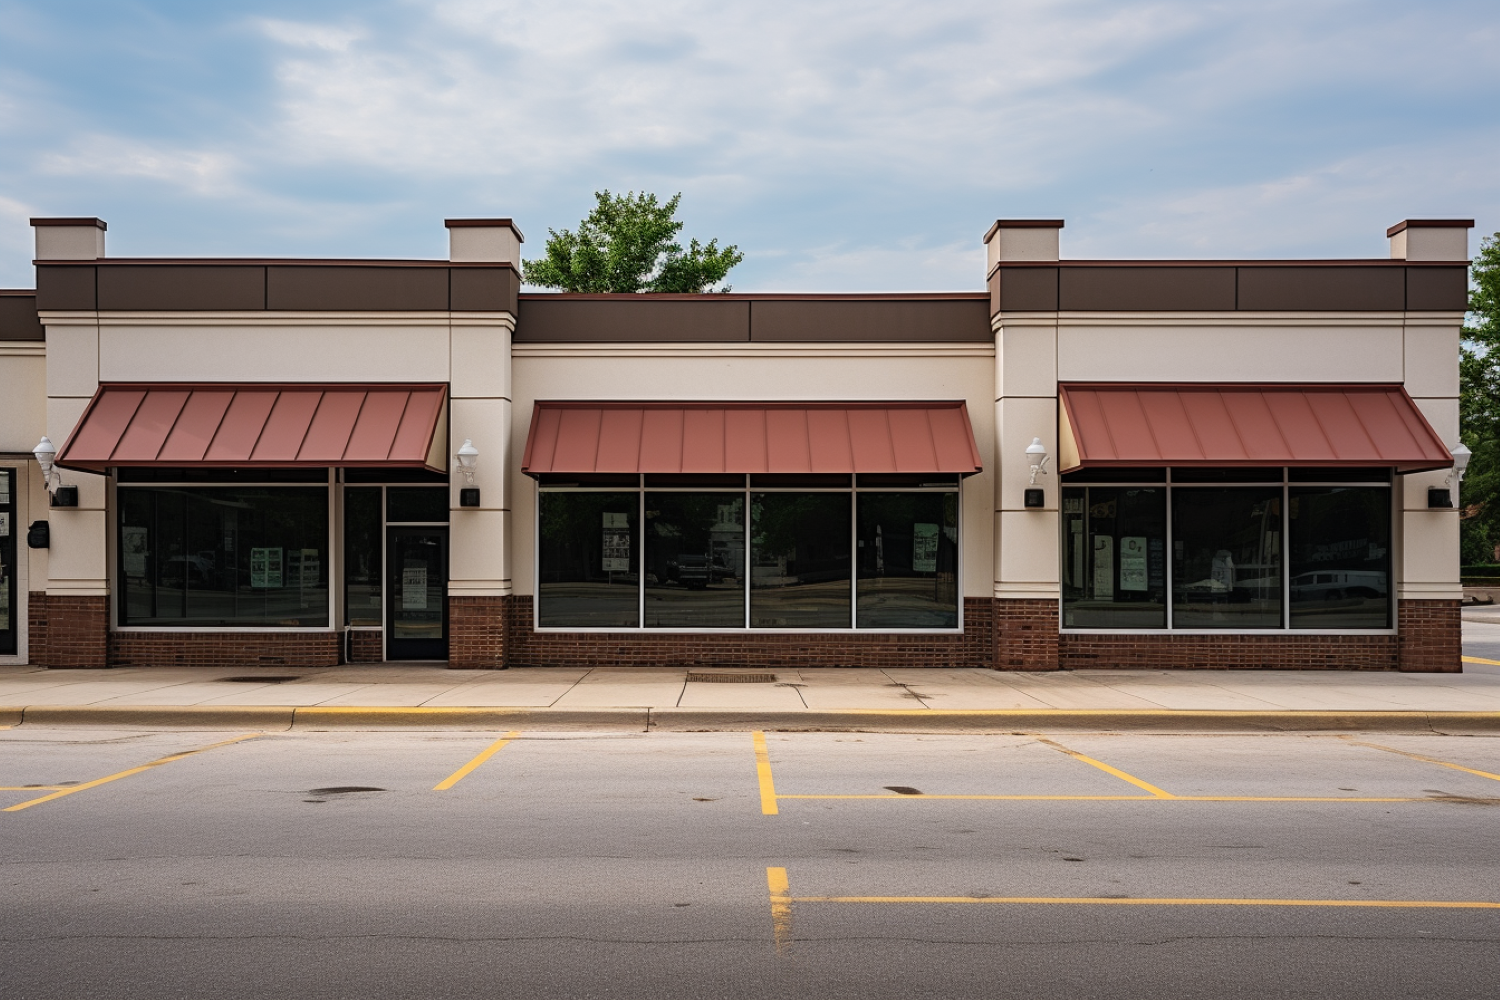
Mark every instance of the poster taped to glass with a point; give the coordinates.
(616, 551)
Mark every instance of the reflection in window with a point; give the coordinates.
(1226, 563)
(587, 559)
(799, 571)
(908, 560)
(1114, 557)
(416, 503)
(1340, 556)
(224, 556)
(695, 560)
(362, 545)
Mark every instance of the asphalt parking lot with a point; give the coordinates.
(355, 864)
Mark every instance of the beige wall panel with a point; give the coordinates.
(478, 553)
(1023, 243)
(1026, 360)
(1432, 360)
(23, 403)
(771, 378)
(1229, 354)
(487, 423)
(480, 361)
(62, 416)
(1028, 560)
(1429, 549)
(72, 361)
(484, 243)
(36, 500)
(1442, 414)
(1018, 420)
(77, 561)
(274, 354)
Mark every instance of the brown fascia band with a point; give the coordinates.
(485, 224)
(1406, 224)
(79, 221)
(1022, 224)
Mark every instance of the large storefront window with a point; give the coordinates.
(588, 559)
(362, 555)
(804, 553)
(226, 556)
(1250, 549)
(1114, 557)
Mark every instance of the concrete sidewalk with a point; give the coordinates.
(433, 696)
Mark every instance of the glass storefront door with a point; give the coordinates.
(417, 591)
(9, 605)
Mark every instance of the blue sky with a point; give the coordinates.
(842, 144)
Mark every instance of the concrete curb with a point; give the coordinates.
(282, 718)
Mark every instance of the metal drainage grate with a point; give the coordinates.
(732, 678)
(268, 679)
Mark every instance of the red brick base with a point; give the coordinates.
(974, 648)
(1229, 652)
(366, 645)
(477, 632)
(68, 632)
(1026, 634)
(224, 649)
(1431, 636)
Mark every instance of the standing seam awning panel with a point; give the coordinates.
(1121, 425)
(293, 426)
(580, 438)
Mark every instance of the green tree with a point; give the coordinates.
(628, 243)
(1479, 407)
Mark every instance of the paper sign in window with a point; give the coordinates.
(1104, 567)
(265, 569)
(414, 587)
(924, 548)
(1133, 565)
(616, 543)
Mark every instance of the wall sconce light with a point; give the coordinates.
(46, 457)
(1442, 497)
(468, 461)
(1036, 454)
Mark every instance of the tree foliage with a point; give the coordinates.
(1479, 407)
(629, 243)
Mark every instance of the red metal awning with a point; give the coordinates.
(265, 426)
(1116, 425)
(590, 437)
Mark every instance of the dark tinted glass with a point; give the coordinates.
(908, 560)
(416, 503)
(362, 547)
(1234, 475)
(224, 556)
(1145, 475)
(799, 574)
(1226, 568)
(9, 531)
(393, 476)
(733, 482)
(1339, 475)
(809, 482)
(615, 481)
(881, 481)
(695, 560)
(1114, 557)
(588, 560)
(214, 475)
(1340, 557)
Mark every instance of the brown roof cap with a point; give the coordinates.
(1022, 224)
(1405, 224)
(78, 221)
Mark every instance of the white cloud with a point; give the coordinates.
(309, 36)
(200, 171)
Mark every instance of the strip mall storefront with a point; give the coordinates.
(1091, 464)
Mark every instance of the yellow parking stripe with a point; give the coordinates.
(1475, 659)
(483, 756)
(1430, 760)
(763, 773)
(1137, 782)
(124, 774)
(781, 908)
(1413, 904)
(1133, 798)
